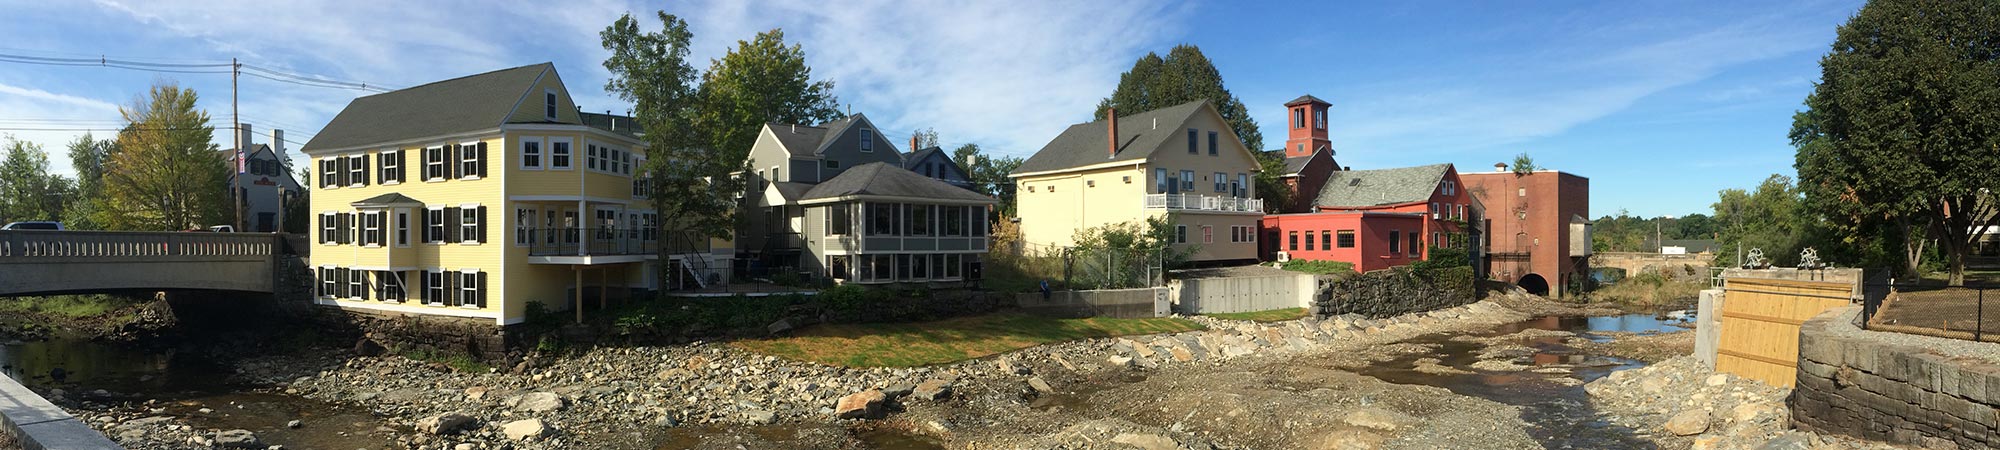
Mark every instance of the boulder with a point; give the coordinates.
(540, 402)
(521, 430)
(1119, 361)
(1146, 441)
(1182, 354)
(1688, 423)
(932, 390)
(443, 424)
(779, 327)
(237, 439)
(1377, 419)
(861, 405)
(1717, 379)
(898, 390)
(1040, 386)
(760, 417)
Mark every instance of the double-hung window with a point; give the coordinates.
(1187, 181)
(357, 171)
(392, 166)
(434, 163)
(468, 224)
(549, 104)
(468, 289)
(1193, 138)
(1160, 180)
(1395, 242)
(434, 288)
(1221, 182)
(1212, 139)
(559, 154)
(434, 225)
(371, 229)
(868, 140)
(402, 228)
(531, 154)
(837, 221)
(469, 163)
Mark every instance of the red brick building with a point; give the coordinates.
(1308, 154)
(1537, 226)
(1375, 219)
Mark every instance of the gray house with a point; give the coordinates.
(261, 184)
(834, 201)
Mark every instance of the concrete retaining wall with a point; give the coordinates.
(33, 423)
(1119, 303)
(1905, 389)
(1242, 294)
(1708, 327)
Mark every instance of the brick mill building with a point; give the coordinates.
(1376, 219)
(1537, 226)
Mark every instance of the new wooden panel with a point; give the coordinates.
(1760, 325)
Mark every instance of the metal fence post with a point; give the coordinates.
(1979, 327)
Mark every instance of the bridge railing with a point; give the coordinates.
(23, 244)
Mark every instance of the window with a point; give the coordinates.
(329, 173)
(1298, 118)
(1207, 234)
(1212, 142)
(1436, 237)
(590, 156)
(468, 289)
(1221, 182)
(392, 166)
(1309, 240)
(354, 283)
(1346, 238)
(471, 167)
(572, 230)
(1242, 185)
(832, 164)
(1302, 148)
(1295, 241)
(402, 228)
(1395, 242)
(920, 219)
(371, 229)
(549, 104)
(1416, 244)
(1434, 210)
(327, 283)
(328, 228)
(1325, 240)
(881, 220)
(920, 267)
(837, 267)
(434, 163)
(550, 227)
(1187, 180)
(867, 140)
(531, 154)
(837, 221)
(641, 187)
(559, 154)
(1192, 137)
(650, 223)
(434, 288)
(1319, 118)
(978, 214)
(938, 267)
(1160, 180)
(903, 267)
(1180, 234)
(357, 171)
(524, 234)
(434, 225)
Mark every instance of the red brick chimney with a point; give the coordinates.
(913, 143)
(1111, 117)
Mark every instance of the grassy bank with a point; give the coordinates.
(944, 341)
(1275, 315)
(65, 306)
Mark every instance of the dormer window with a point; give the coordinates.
(867, 140)
(550, 105)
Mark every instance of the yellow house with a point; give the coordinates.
(475, 196)
(1181, 160)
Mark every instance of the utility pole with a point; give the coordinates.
(236, 128)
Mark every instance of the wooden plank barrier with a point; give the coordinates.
(1760, 324)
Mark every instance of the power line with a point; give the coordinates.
(118, 129)
(260, 72)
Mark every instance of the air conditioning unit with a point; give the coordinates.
(1284, 257)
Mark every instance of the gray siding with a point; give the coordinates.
(804, 170)
(846, 148)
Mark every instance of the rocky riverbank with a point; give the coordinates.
(1689, 406)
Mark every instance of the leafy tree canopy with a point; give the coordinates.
(1185, 75)
(165, 175)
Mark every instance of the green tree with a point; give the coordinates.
(1899, 138)
(1185, 75)
(989, 175)
(165, 175)
(88, 155)
(1271, 184)
(27, 190)
(924, 138)
(1773, 218)
(759, 81)
(1122, 255)
(1523, 164)
(690, 185)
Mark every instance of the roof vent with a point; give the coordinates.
(1354, 182)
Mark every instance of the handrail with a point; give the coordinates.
(1203, 202)
(95, 244)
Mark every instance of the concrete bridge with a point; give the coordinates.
(76, 262)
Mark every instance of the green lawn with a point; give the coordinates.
(69, 306)
(1319, 267)
(944, 341)
(1275, 315)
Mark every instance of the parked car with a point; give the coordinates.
(34, 225)
(223, 229)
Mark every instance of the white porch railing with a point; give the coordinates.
(1204, 202)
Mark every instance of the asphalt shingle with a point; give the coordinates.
(1084, 144)
(1362, 188)
(469, 103)
(879, 178)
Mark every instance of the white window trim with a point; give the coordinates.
(351, 171)
(520, 225)
(466, 210)
(428, 285)
(471, 287)
(471, 148)
(550, 102)
(327, 226)
(365, 218)
(444, 161)
(382, 163)
(549, 147)
(441, 224)
(541, 153)
(405, 232)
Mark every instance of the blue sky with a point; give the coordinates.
(1659, 103)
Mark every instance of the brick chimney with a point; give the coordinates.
(913, 143)
(1111, 117)
(243, 137)
(278, 141)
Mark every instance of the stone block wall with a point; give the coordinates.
(1393, 292)
(1904, 389)
(401, 333)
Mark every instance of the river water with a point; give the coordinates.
(182, 385)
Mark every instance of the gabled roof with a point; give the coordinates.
(791, 191)
(1294, 164)
(910, 161)
(1363, 188)
(883, 179)
(810, 140)
(1085, 144)
(469, 103)
(1308, 98)
(386, 200)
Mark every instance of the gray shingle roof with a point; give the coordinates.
(1296, 163)
(1084, 144)
(791, 191)
(386, 200)
(911, 160)
(1308, 98)
(469, 103)
(806, 140)
(1360, 188)
(879, 178)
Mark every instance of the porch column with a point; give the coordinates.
(582, 239)
(579, 292)
(603, 285)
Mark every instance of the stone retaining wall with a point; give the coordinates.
(1393, 292)
(403, 333)
(1894, 387)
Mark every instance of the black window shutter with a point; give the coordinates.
(482, 289)
(451, 222)
(322, 174)
(424, 171)
(364, 169)
(340, 171)
(482, 224)
(451, 158)
(402, 166)
(451, 288)
(423, 286)
(382, 228)
(482, 168)
(367, 286)
(382, 167)
(340, 231)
